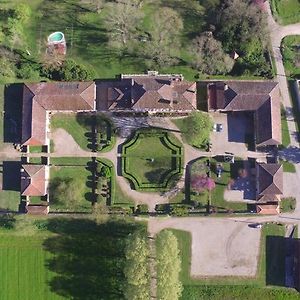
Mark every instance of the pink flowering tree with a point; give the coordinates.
(201, 183)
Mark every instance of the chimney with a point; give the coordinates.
(225, 87)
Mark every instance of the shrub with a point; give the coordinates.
(7, 221)
(70, 70)
(179, 210)
(142, 209)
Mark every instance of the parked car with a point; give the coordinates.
(255, 225)
(217, 127)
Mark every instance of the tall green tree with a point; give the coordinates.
(137, 268)
(196, 128)
(169, 286)
(239, 23)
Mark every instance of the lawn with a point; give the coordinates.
(64, 258)
(291, 55)
(235, 288)
(69, 123)
(288, 166)
(9, 200)
(87, 40)
(286, 11)
(79, 126)
(79, 199)
(25, 274)
(284, 129)
(151, 158)
(287, 204)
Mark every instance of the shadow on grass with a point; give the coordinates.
(11, 176)
(13, 113)
(275, 260)
(88, 258)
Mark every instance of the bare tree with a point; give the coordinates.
(209, 56)
(165, 36)
(122, 22)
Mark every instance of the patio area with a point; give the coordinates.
(228, 140)
(243, 185)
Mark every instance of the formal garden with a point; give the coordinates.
(91, 131)
(152, 160)
(86, 185)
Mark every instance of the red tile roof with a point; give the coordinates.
(260, 97)
(270, 179)
(33, 180)
(268, 209)
(35, 209)
(38, 98)
(147, 92)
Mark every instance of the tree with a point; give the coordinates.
(28, 70)
(209, 56)
(201, 182)
(105, 172)
(122, 22)
(137, 268)
(169, 286)
(6, 69)
(165, 34)
(66, 192)
(70, 70)
(196, 128)
(239, 23)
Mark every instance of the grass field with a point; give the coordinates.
(24, 272)
(64, 258)
(284, 129)
(286, 11)
(291, 55)
(236, 288)
(75, 125)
